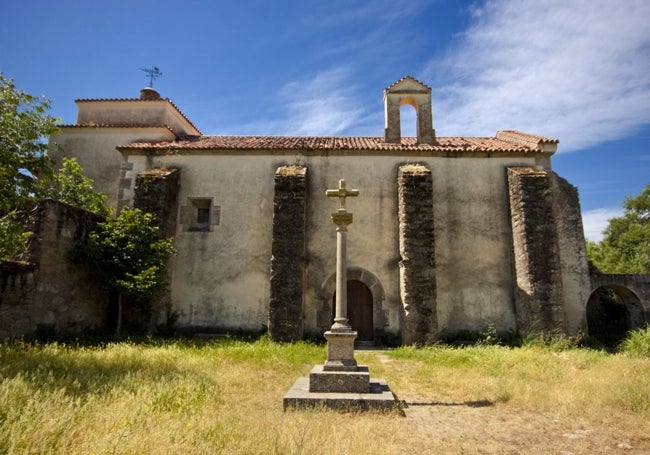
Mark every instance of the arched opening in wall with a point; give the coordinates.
(360, 310)
(408, 118)
(612, 311)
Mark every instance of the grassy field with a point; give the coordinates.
(225, 396)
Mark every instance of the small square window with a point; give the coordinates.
(199, 215)
(203, 215)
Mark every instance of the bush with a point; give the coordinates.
(636, 343)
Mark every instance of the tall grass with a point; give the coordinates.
(225, 396)
(636, 343)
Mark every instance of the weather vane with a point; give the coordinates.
(152, 73)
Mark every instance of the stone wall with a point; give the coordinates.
(50, 289)
(287, 254)
(538, 293)
(637, 285)
(156, 192)
(572, 253)
(417, 252)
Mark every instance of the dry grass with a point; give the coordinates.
(226, 397)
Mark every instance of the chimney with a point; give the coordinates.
(149, 94)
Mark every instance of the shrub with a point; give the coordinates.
(636, 343)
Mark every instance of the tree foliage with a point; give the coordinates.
(129, 254)
(625, 247)
(71, 186)
(24, 164)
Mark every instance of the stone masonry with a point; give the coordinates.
(538, 293)
(51, 290)
(287, 254)
(156, 192)
(417, 252)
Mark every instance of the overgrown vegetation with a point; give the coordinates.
(225, 396)
(71, 186)
(129, 255)
(636, 343)
(26, 171)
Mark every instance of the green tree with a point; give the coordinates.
(71, 186)
(130, 255)
(24, 164)
(625, 247)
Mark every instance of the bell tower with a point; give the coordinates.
(408, 91)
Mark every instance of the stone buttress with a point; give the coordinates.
(287, 254)
(417, 251)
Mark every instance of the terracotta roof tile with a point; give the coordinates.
(403, 79)
(511, 142)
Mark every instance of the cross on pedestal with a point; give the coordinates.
(340, 338)
(341, 218)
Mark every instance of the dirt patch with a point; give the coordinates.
(486, 428)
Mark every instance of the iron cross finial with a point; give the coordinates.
(152, 73)
(341, 193)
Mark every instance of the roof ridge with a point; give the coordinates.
(405, 78)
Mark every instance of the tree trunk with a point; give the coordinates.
(118, 329)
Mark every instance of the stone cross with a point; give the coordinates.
(340, 338)
(342, 193)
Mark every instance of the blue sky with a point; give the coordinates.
(575, 70)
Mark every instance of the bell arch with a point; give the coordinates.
(414, 93)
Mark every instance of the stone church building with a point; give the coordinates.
(450, 233)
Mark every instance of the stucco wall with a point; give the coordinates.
(221, 278)
(94, 148)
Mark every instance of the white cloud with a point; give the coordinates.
(595, 221)
(575, 70)
(324, 104)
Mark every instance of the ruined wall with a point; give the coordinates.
(416, 247)
(572, 251)
(638, 285)
(538, 296)
(51, 289)
(287, 254)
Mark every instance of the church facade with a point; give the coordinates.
(450, 233)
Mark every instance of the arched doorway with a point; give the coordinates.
(612, 311)
(360, 310)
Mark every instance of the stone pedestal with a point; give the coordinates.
(321, 380)
(340, 351)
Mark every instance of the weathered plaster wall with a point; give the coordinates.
(221, 277)
(135, 112)
(94, 148)
(52, 290)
